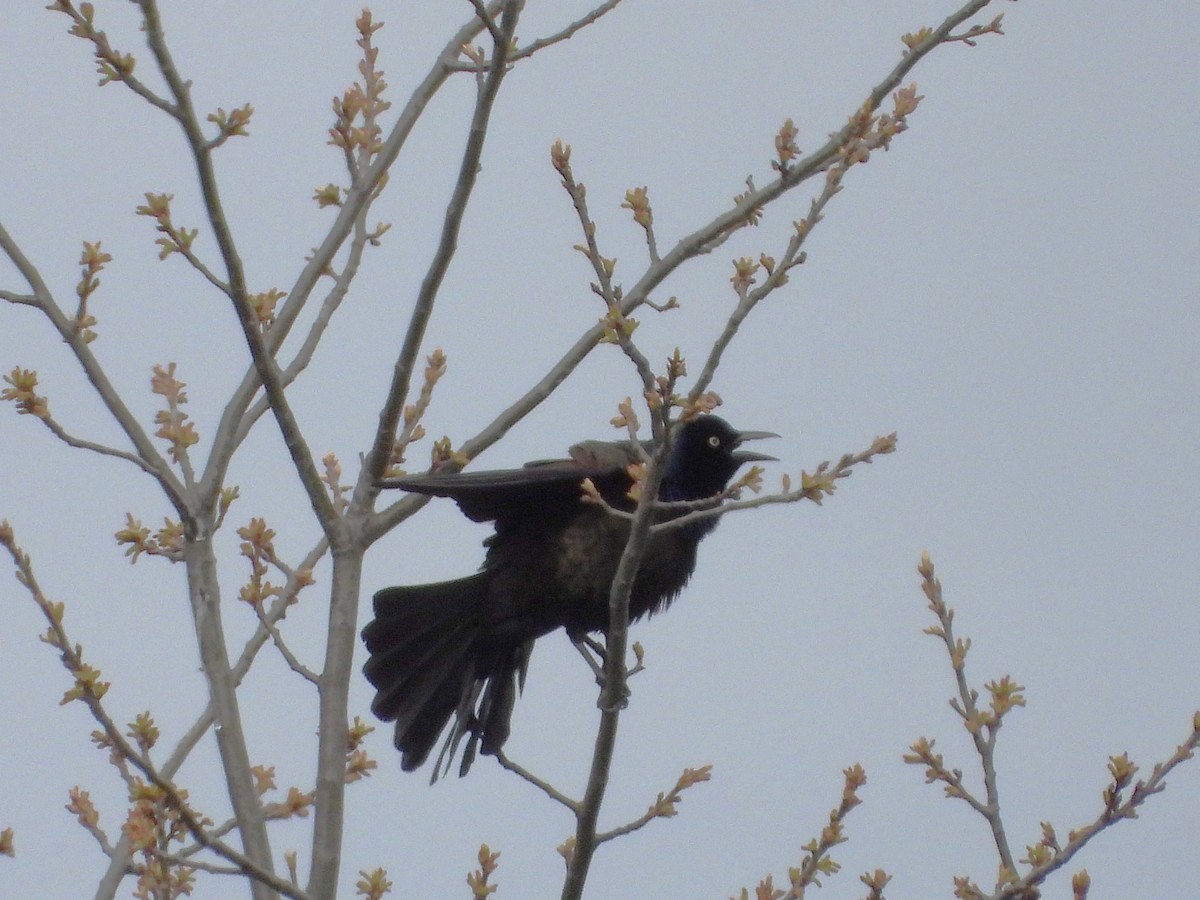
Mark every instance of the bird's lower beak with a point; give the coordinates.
(745, 456)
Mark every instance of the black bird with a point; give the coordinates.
(461, 648)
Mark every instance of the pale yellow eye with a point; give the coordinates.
(714, 442)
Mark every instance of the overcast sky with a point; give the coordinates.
(1012, 288)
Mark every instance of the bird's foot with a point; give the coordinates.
(613, 701)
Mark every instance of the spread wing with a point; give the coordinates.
(543, 485)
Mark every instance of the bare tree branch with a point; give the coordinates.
(342, 632)
(817, 862)
(686, 248)
(662, 808)
(120, 66)
(565, 34)
(488, 21)
(617, 327)
(379, 455)
(982, 723)
(333, 300)
(152, 461)
(614, 693)
(82, 444)
(262, 355)
(111, 881)
(1115, 811)
(544, 786)
(776, 277)
(90, 694)
(817, 162)
(233, 425)
(288, 656)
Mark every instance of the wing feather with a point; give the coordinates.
(485, 495)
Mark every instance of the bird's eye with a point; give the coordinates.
(714, 441)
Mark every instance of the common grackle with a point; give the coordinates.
(461, 648)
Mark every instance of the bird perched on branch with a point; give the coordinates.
(461, 648)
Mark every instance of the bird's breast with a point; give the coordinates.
(588, 554)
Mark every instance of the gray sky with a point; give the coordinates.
(1012, 288)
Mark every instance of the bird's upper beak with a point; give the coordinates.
(745, 456)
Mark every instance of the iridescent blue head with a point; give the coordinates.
(705, 456)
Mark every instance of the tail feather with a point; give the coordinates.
(495, 710)
(486, 710)
(428, 664)
(407, 674)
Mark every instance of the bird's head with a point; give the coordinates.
(706, 454)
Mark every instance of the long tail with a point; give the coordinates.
(429, 661)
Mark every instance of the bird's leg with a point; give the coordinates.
(596, 647)
(587, 646)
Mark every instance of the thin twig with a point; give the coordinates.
(154, 462)
(102, 449)
(176, 859)
(288, 656)
(815, 489)
(329, 306)
(544, 786)
(105, 52)
(226, 827)
(815, 163)
(662, 808)
(775, 279)
(565, 34)
(19, 299)
(982, 729)
(202, 267)
(1142, 791)
(618, 328)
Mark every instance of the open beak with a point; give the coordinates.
(745, 456)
